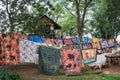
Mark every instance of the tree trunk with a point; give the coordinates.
(78, 22)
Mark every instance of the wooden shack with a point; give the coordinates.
(48, 26)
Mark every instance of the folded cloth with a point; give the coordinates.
(101, 60)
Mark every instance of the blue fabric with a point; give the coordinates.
(31, 38)
(85, 39)
(35, 39)
(75, 40)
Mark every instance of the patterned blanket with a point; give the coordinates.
(28, 51)
(71, 60)
(49, 60)
(9, 51)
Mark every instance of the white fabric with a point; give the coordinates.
(101, 60)
(27, 51)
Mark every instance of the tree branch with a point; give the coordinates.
(87, 2)
(70, 11)
(19, 7)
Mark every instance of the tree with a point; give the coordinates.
(9, 11)
(23, 15)
(81, 17)
(69, 8)
(106, 18)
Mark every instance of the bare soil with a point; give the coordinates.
(30, 72)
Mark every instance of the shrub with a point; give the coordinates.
(5, 74)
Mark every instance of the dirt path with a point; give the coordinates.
(30, 72)
(112, 69)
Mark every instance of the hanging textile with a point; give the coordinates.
(58, 41)
(85, 39)
(96, 45)
(0, 49)
(95, 40)
(86, 45)
(71, 61)
(49, 41)
(67, 41)
(9, 49)
(104, 44)
(28, 51)
(89, 55)
(111, 43)
(75, 41)
(35, 39)
(49, 60)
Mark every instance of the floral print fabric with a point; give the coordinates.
(71, 60)
(9, 51)
(28, 51)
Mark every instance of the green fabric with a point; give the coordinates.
(49, 60)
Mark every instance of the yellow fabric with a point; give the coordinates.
(95, 40)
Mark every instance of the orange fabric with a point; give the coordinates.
(24, 37)
(10, 49)
(71, 60)
(49, 41)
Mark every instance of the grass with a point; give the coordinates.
(80, 77)
(30, 73)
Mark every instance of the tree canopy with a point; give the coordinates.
(99, 17)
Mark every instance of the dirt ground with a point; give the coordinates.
(113, 69)
(30, 72)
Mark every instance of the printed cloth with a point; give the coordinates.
(86, 45)
(71, 60)
(85, 39)
(95, 40)
(100, 61)
(96, 45)
(75, 41)
(49, 60)
(9, 51)
(104, 44)
(67, 41)
(58, 41)
(28, 51)
(49, 41)
(35, 39)
(111, 43)
(89, 55)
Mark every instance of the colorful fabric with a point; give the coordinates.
(75, 41)
(24, 37)
(49, 60)
(111, 43)
(85, 39)
(89, 40)
(96, 45)
(95, 40)
(9, 53)
(104, 44)
(49, 41)
(58, 41)
(86, 45)
(35, 39)
(89, 55)
(28, 51)
(67, 41)
(71, 60)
